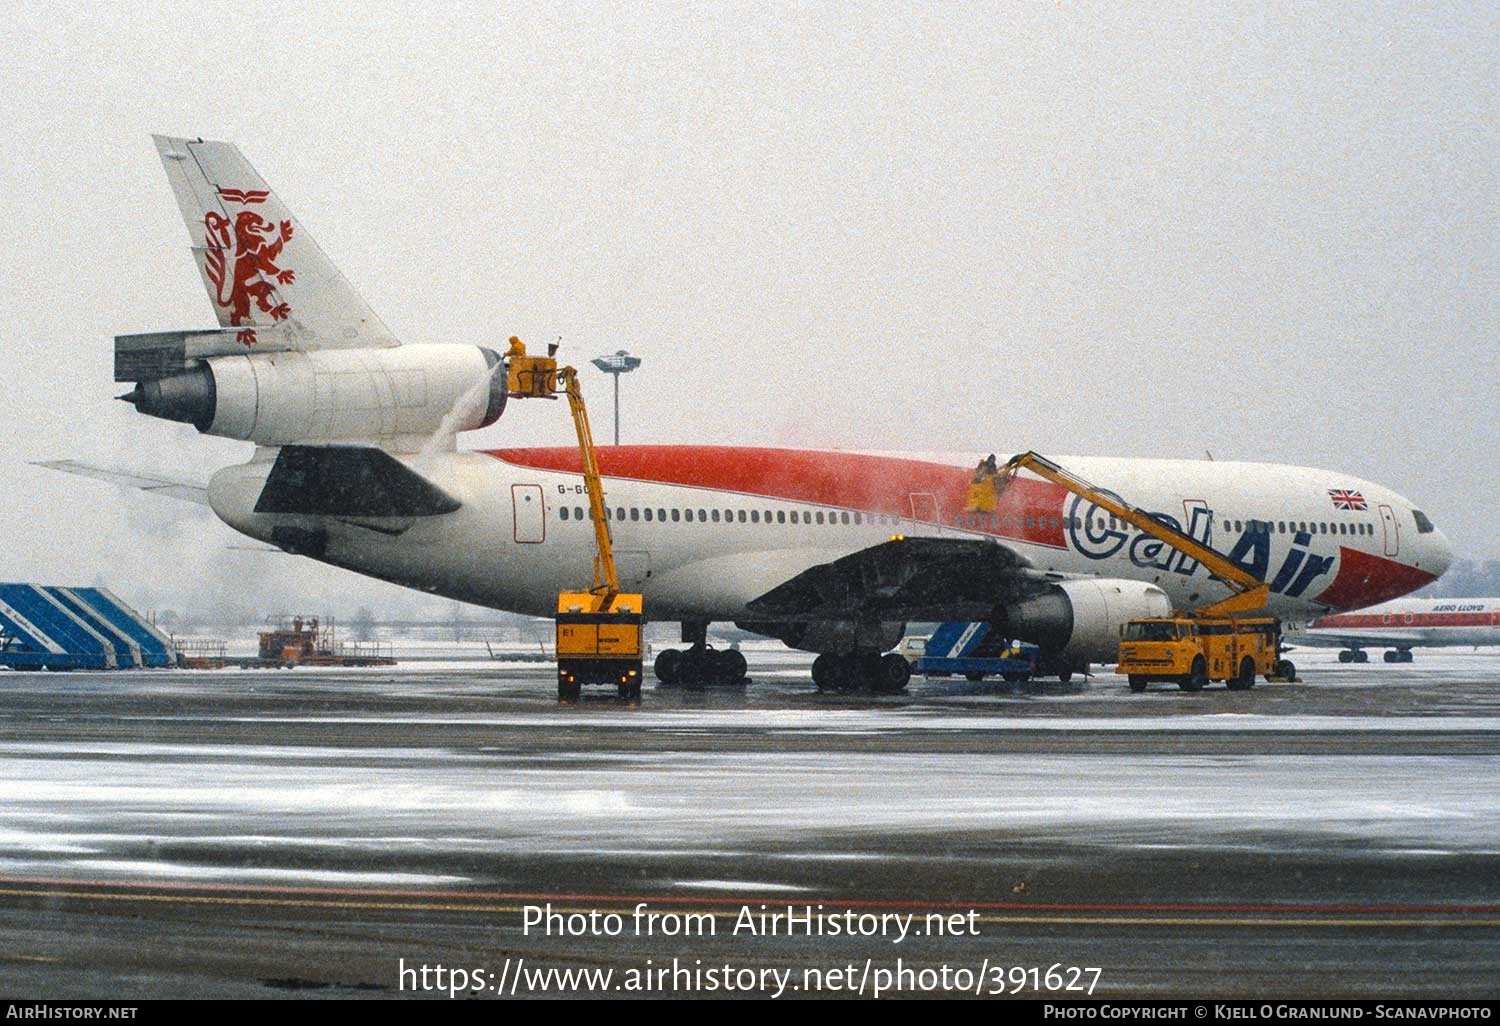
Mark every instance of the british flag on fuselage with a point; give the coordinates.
(1344, 498)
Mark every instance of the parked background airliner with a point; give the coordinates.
(356, 464)
(1403, 625)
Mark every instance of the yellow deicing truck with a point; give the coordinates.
(1216, 642)
(599, 630)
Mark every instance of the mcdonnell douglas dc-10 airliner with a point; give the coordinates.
(355, 464)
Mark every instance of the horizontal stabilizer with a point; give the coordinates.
(186, 491)
(349, 481)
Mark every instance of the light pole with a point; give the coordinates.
(620, 363)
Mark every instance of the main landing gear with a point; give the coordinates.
(885, 674)
(1398, 655)
(699, 665)
(1355, 655)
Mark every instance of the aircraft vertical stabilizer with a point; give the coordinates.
(265, 275)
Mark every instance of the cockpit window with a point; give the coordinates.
(1424, 526)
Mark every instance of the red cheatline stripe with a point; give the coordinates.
(766, 899)
(903, 486)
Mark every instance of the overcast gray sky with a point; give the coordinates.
(1136, 229)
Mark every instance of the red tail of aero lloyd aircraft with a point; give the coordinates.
(356, 465)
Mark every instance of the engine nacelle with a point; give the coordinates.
(328, 395)
(1081, 619)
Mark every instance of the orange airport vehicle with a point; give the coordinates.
(1215, 642)
(598, 630)
(304, 641)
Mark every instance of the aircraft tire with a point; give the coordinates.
(1393, 656)
(1361, 656)
(822, 672)
(732, 666)
(895, 673)
(1346, 657)
(1286, 669)
(668, 666)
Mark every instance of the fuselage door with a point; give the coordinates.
(1392, 530)
(633, 566)
(531, 516)
(924, 508)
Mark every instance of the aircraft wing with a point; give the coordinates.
(183, 490)
(905, 579)
(1330, 638)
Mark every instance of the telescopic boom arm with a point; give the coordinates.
(1250, 592)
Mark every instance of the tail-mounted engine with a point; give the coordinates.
(401, 396)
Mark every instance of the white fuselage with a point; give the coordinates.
(703, 531)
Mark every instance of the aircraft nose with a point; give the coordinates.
(1439, 555)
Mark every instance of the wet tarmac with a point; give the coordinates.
(315, 832)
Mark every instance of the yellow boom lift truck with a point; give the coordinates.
(1218, 641)
(599, 630)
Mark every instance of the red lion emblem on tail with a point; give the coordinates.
(257, 244)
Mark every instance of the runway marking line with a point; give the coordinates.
(495, 903)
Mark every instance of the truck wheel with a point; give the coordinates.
(975, 677)
(630, 692)
(1197, 677)
(1137, 682)
(1286, 669)
(567, 693)
(1246, 680)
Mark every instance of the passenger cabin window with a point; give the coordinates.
(661, 515)
(648, 514)
(577, 512)
(635, 514)
(781, 516)
(714, 515)
(676, 515)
